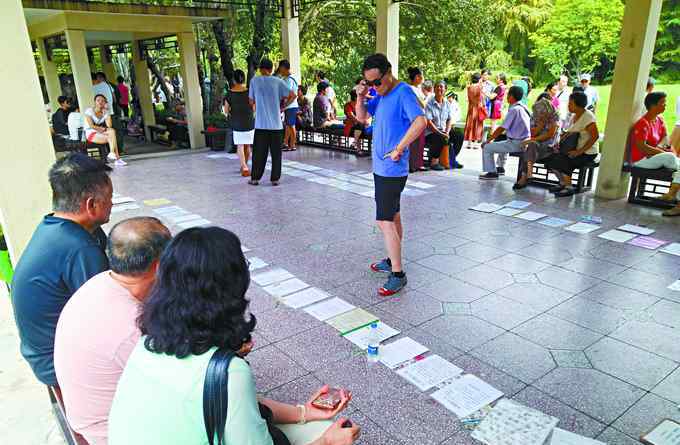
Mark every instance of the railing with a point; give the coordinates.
(272, 5)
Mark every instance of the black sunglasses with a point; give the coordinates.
(375, 83)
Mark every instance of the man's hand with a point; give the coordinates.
(395, 154)
(361, 89)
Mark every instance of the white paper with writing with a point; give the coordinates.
(429, 372)
(466, 395)
(329, 308)
(399, 351)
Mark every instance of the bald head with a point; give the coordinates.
(135, 244)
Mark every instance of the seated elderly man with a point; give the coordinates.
(66, 250)
(649, 145)
(516, 128)
(438, 113)
(105, 308)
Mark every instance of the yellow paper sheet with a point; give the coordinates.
(349, 321)
(157, 202)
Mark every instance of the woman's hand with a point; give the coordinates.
(337, 435)
(314, 413)
(574, 153)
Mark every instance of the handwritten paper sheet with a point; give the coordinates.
(582, 228)
(647, 242)
(352, 320)
(555, 222)
(360, 337)
(429, 372)
(486, 207)
(284, 288)
(194, 223)
(617, 236)
(636, 229)
(304, 298)
(673, 249)
(517, 204)
(399, 351)
(510, 423)
(124, 207)
(329, 308)
(157, 202)
(508, 211)
(272, 276)
(665, 433)
(531, 216)
(466, 395)
(256, 263)
(563, 437)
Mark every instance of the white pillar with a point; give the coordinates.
(290, 39)
(143, 88)
(27, 152)
(387, 32)
(638, 36)
(80, 65)
(192, 90)
(49, 70)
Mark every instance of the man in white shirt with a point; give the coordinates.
(101, 86)
(591, 92)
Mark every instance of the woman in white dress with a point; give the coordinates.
(237, 106)
(99, 128)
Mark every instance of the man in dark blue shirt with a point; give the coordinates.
(66, 250)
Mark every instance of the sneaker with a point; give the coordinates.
(393, 285)
(253, 182)
(383, 266)
(111, 156)
(489, 176)
(556, 188)
(437, 167)
(275, 183)
(457, 165)
(120, 163)
(500, 171)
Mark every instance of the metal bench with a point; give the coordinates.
(333, 139)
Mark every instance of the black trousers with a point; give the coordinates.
(566, 165)
(456, 140)
(437, 143)
(265, 142)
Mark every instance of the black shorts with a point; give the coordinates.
(387, 196)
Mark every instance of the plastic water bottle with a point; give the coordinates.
(372, 351)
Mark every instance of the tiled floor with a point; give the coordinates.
(576, 326)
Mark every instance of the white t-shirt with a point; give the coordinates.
(580, 127)
(677, 112)
(293, 86)
(105, 90)
(75, 122)
(419, 93)
(593, 96)
(99, 121)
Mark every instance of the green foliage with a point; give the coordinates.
(579, 36)
(217, 120)
(667, 51)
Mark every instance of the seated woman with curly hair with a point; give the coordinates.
(196, 308)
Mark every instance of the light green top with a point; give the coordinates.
(159, 400)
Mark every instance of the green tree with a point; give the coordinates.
(580, 36)
(516, 20)
(667, 52)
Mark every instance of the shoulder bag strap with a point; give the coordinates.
(215, 396)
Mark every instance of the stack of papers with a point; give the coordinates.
(352, 320)
(486, 207)
(582, 228)
(284, 288)
(466, 395)
(400, 351)
(360, 337)
(636, 229)
(429, 372)
(510, 423)
(272, 276)
(329, 308)
(304, 298)
(617, 236)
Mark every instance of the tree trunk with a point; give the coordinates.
(201, 77)
(160, 79)
(217, 85)
(226, 49)
(260, 37)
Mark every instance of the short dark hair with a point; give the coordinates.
(376, 61)
(101, 75)
(74, 104)
(93, 76)
(62, 99)
(135, 243)
(651, 82)
(550, 85)
(578, 88)
(486, 71)
(516, 92)
(239, 76)
(579, 98)
(321, 86)
(76, 177)
(544, 95)
(266, 64)
(654, 98)
(284, 64)
(353, 94)
(475, 77)
(199, 299)
(321, 74)
(100, 95)
(413, 72)
(120, 79)
(303, 88)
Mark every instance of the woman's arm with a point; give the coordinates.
(594, 136)
(109, 122)
(548, 134)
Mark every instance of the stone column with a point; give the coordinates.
(387, 34)
(107, 65)
(192, 90)
(49, 70)
(638, 36)
(27, 152)
(143, 88)
(80, 66)
(290, 39)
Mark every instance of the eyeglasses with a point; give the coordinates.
(375, 83)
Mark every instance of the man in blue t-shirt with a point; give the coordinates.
(66, 250)
(398, 120)
(269, 95)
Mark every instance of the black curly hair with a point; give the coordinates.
(198, 301)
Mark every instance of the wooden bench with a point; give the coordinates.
(581, 179)
(155, 130)
(57, 402)
(647, 184)
(333, 139)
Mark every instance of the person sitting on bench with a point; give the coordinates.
(438, 113)
(323, 109)
(99, 128)
(649, 145)
(60, 117)
(352, 126)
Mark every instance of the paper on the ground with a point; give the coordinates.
(412, 192)
(591, 219)
(287, 287)
(329, 308)
(272, 276)
(636, 229)
(531, 216)
(486, 207)
(166, 210)
(122, 200)
(517, 204)
(466, 395)
(255, 263)
(244, 249)
(352, 320)
(181, 218)
(665, 433)
(563, 437)
(508, 211)
(582, 228)
(124, 207)
(157, 202)
(360, 337)
(420, 185)
(429, 372)
(617, 236)
(304, 298)
(675, 286)
(510, 423)
(194, 223)
(399, 351)
(647, 242)
(554, 222)
(368, 193)
(673, 249)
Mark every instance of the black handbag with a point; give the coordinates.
(569, 142)
(215, 401)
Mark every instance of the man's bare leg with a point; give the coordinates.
(392, 243)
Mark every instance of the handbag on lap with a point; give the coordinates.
(569, 142)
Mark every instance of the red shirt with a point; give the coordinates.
(124, 93)
(645, 131)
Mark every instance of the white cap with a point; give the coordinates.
(585, 77)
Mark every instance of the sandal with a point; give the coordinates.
(253, 182)
(245, 172)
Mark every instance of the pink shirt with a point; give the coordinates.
(96, 334)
